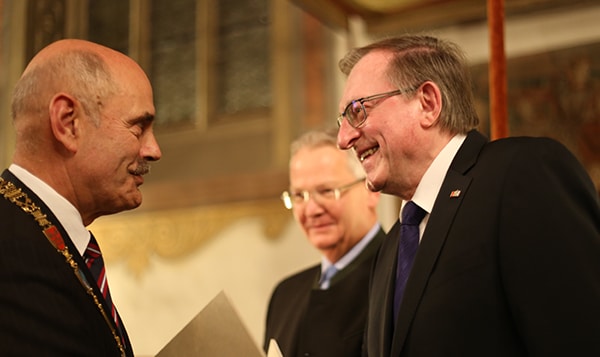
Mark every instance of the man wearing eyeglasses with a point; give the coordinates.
(497, 251)
(322, 310)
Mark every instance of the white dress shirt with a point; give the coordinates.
(64, 211)
(431, 182)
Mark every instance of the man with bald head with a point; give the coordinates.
(83, 117)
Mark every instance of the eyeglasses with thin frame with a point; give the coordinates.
(320, 195)
(355, 112)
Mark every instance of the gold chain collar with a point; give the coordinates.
(19, 198)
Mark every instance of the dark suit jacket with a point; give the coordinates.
(329, 323)
(511, 267)
(44, 310)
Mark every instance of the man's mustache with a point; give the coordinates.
(143, 167)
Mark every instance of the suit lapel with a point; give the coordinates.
(452, 191)
(9, 176)
(381, 296)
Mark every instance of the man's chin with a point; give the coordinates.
(322, 241)
(136, 203)
(134, 200)
(371, 186)
(375, 184)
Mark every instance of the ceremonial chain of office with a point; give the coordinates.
(19, 198)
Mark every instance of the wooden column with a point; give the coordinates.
(497, 70)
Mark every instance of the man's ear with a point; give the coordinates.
(431, 103)
(65, 113)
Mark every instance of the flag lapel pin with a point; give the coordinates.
(454, 193)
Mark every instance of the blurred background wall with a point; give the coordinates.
(235, 81)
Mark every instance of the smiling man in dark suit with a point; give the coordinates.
(504, 258)
(315, 312)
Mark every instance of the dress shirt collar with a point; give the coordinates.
(64, 211)
(352, 253)
(432, 180)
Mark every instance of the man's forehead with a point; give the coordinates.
(323, 158)
(373, 63)
(366, 76)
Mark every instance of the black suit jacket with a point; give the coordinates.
(44, 310)
(307, 321)
(510, 267)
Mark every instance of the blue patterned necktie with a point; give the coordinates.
(95, 262)
(412, 215)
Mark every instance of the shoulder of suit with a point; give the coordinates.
(307, 274)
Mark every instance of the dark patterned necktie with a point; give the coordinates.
(412, 215)
(93, 260)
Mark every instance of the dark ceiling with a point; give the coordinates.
(386, 16)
